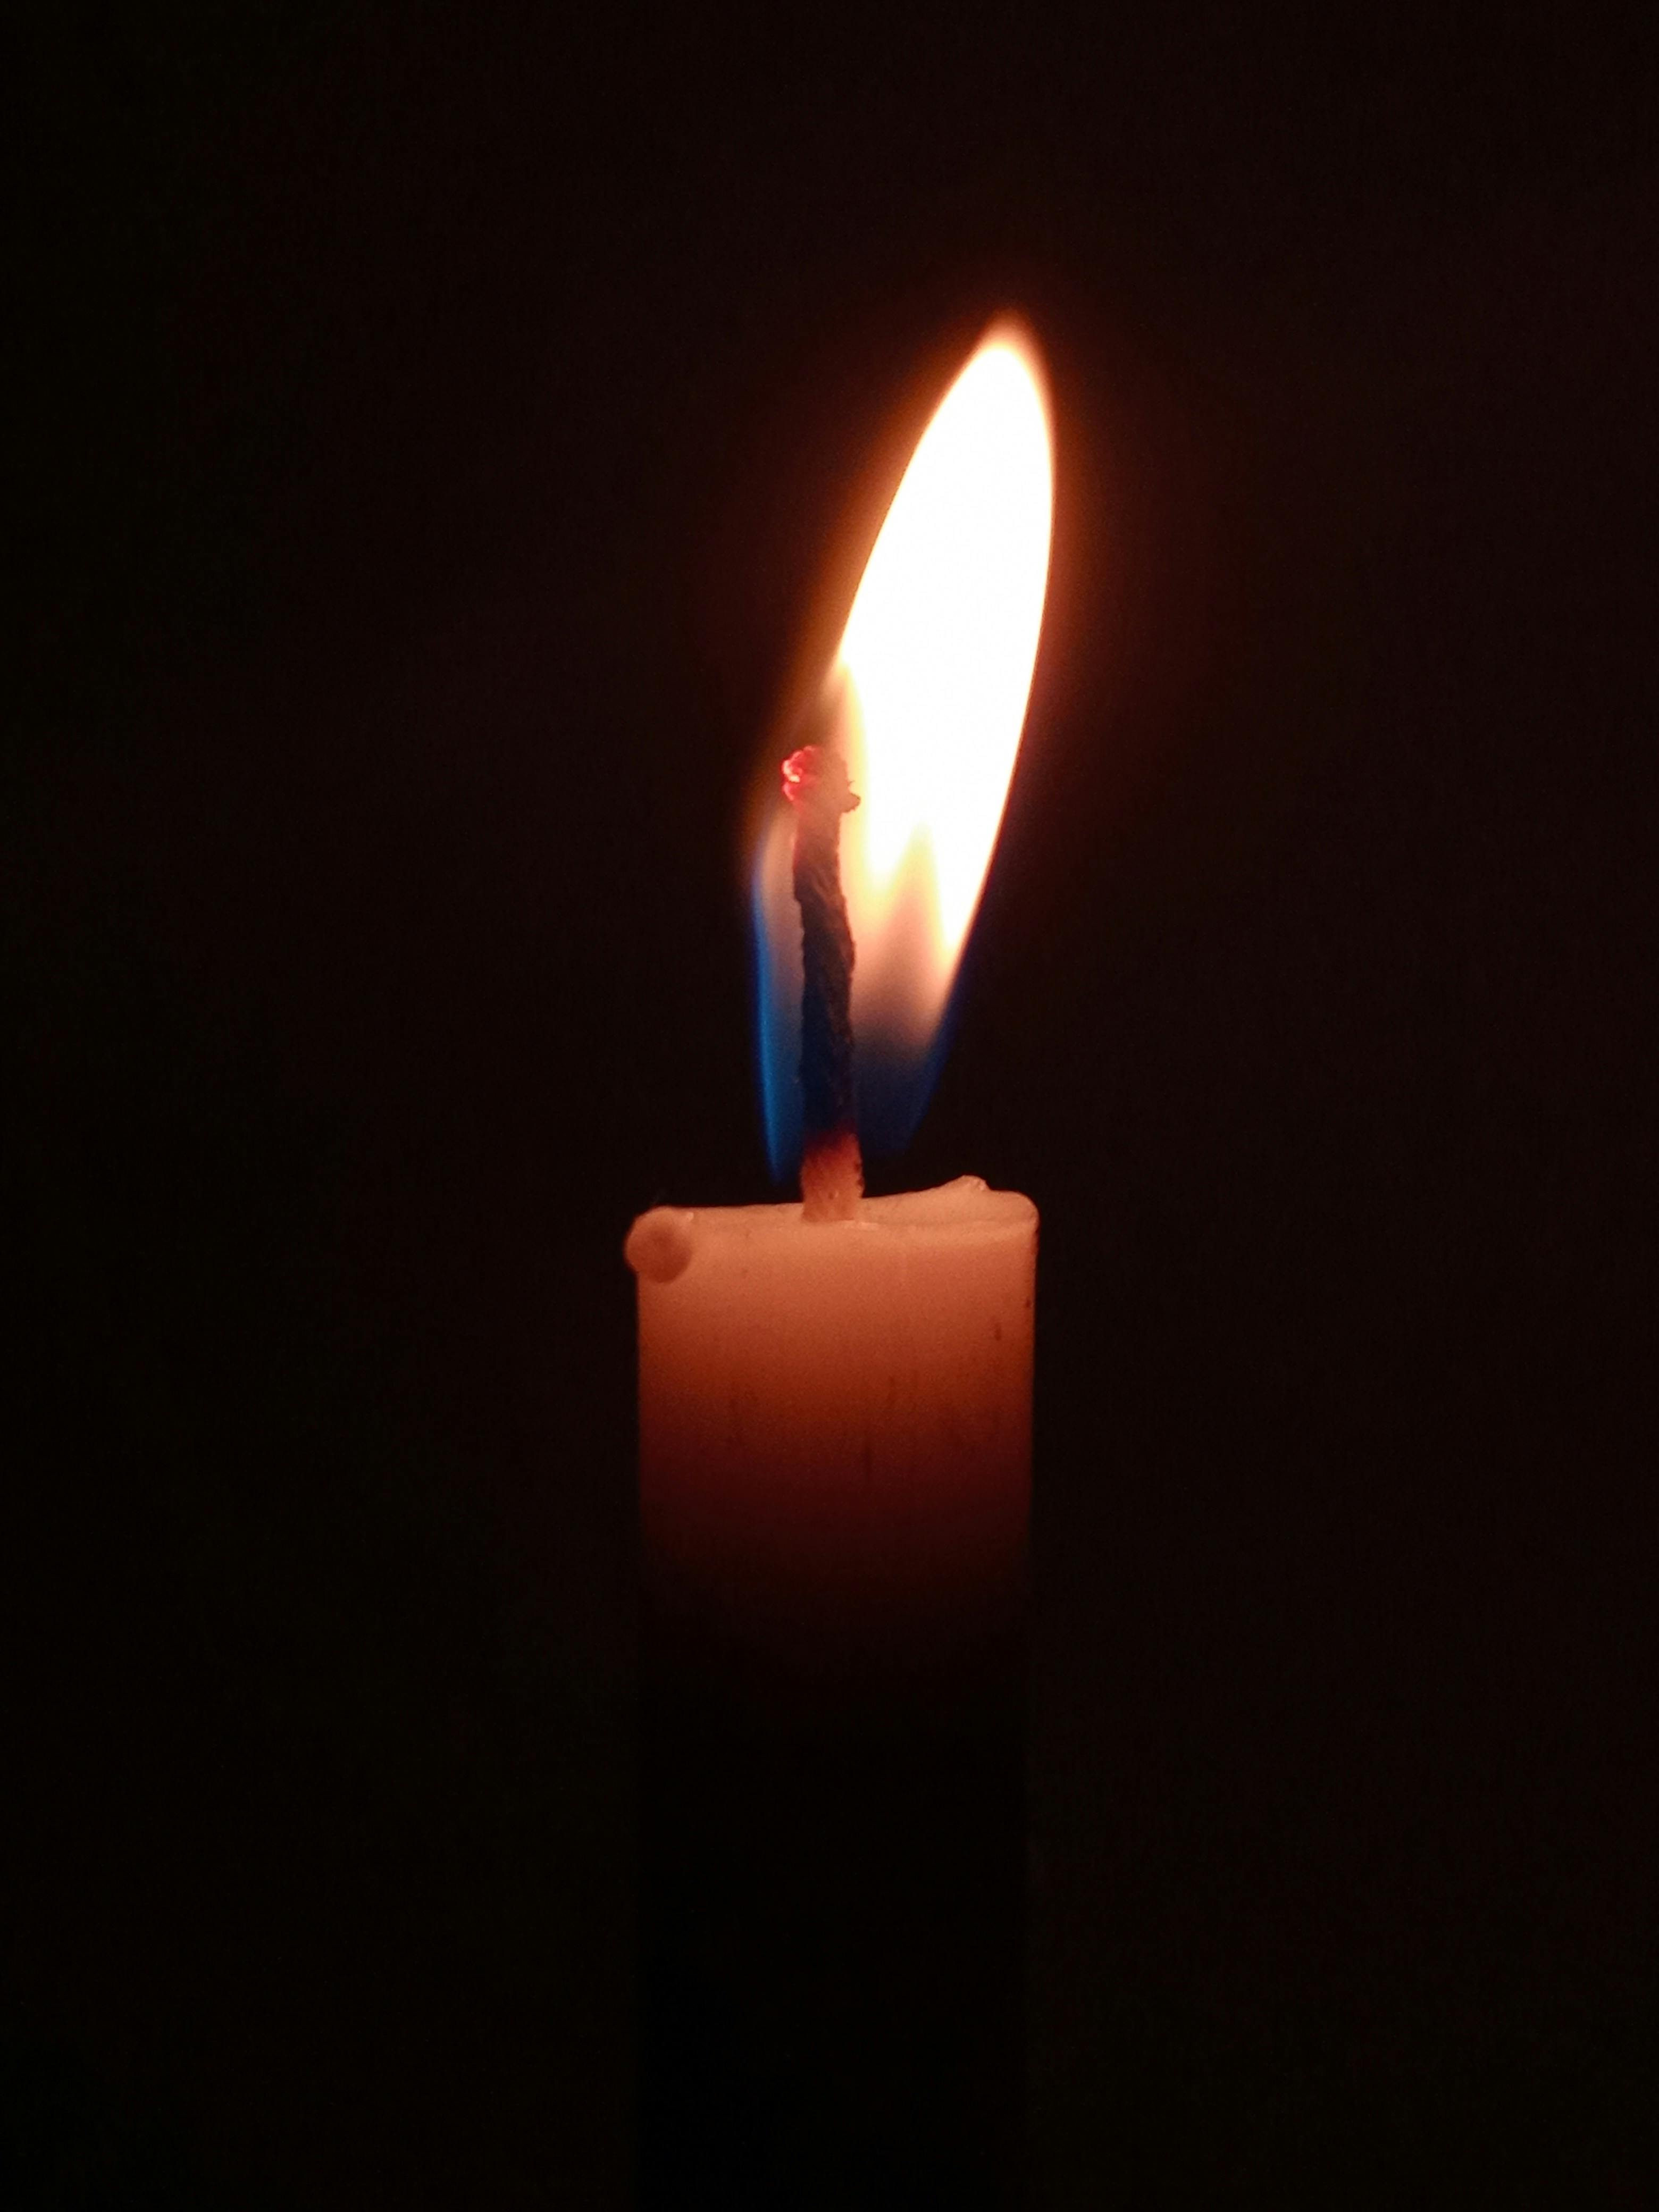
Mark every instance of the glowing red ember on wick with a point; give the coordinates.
(814, 782)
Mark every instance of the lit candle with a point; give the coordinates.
(832, 1406)
(835, 1408)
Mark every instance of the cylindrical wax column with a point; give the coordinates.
(834, 1419)
(835, 1480)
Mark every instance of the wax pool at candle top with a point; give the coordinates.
(835, 1418)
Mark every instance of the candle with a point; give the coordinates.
(835, 1408)
(834, 1420)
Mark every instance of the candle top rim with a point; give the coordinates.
(661, 1242)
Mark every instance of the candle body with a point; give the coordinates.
(835, 1422)
(835, 1483)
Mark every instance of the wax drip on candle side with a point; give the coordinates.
(814, 782)
(659, 1244)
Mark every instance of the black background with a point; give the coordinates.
(428, 432)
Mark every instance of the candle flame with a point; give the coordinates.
(928, 694)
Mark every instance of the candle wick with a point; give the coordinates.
(816, 784)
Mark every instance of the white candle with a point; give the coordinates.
(835, 1418)
(835, 1443)
(836, 1412)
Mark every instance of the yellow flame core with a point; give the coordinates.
(937, 659)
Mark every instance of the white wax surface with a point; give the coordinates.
(835, 1418)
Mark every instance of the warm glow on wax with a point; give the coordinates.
(938, 655)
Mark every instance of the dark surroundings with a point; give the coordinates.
(426, 433)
